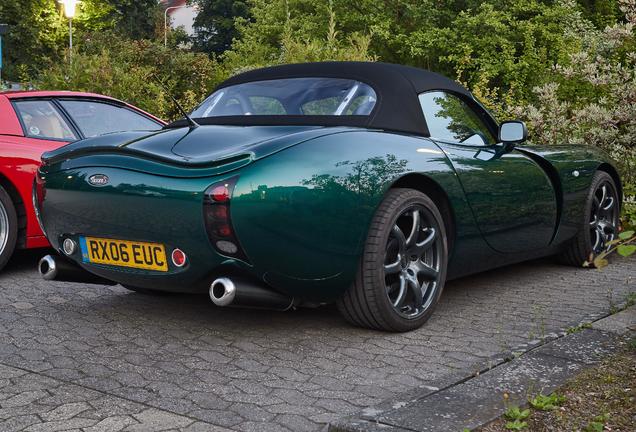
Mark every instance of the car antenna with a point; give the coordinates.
(190, 120)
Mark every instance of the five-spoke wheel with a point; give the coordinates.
(403, 267)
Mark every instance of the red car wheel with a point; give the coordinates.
(8, 227)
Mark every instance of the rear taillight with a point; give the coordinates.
(218, 219)
(220, 193)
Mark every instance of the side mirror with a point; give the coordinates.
(512, 132)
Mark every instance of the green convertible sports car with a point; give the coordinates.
(364, 184)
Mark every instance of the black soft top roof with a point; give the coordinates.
(396, 86)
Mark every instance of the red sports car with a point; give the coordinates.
(32, 122)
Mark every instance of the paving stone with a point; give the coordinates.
(531, 374)
(204, 427)
(60, 425)
(111, 424)
(622, 322)
(479, 400)
(225, 418)
(123, 353)
(154, 420)
(296, 423)
(19, 422)
(585, 346)
(66, 411)
(23, 398)
(51, 405)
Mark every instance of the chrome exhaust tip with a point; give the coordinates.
(59, 268)
(242, 292)
(47, 267)
(222, 291)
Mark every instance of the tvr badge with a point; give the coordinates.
(98, 180)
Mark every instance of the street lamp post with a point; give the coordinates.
(165, 22)
(69, 11)
(3, 29)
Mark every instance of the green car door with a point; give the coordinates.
(512, 198)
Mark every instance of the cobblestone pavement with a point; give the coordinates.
(93, 358)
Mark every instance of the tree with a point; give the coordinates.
(38, 34)
(125, 69)
(276, 36)
(215, 24)
(601, 12)
(502, 53)
(602, 112)
(500, 49)
(136, 19)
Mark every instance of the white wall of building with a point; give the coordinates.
(183, 17)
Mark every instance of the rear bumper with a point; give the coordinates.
(203, 265)
(293, 237)
(136, 207)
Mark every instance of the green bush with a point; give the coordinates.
(124, 69)
(593, 100)
(289, 45)
(501, 50)
(38, 29)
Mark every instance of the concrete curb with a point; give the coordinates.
(468, 403)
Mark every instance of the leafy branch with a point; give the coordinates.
(624, 245)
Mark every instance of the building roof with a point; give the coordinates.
(172, 3)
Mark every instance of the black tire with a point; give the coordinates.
(8, 227)
(368, 302)
(584, 246)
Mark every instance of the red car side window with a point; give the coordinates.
(97, 118)
(40, 119)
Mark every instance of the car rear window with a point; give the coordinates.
(291, 96)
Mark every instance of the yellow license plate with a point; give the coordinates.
(124, 253)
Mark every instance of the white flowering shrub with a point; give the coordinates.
(594, 101)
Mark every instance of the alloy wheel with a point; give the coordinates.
(4, 228)
(412, 262)
(603, 223)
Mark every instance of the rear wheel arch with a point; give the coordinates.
(615, 176)
(402, 271)
(20, 209)
(436, 193)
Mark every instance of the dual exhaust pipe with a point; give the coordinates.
(223, 291)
